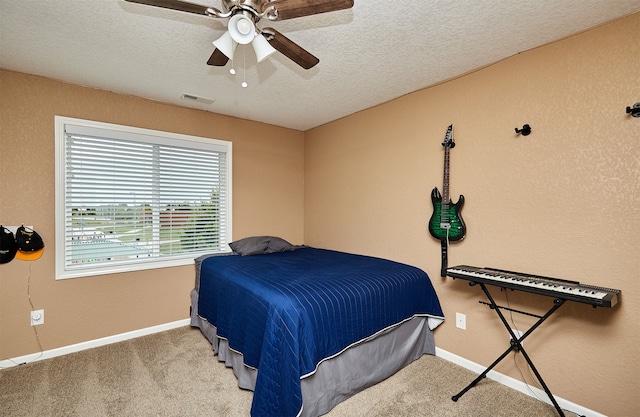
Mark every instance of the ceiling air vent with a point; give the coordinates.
(199, 99)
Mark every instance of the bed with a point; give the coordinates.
(306, 328)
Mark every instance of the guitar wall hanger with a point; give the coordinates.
(526, 129)
(634, 111)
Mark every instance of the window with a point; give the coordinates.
(130, 199)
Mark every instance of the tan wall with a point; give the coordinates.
(267, 199)
(561, 202)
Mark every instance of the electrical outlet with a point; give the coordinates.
(461, 321)
(518, 334)
(37, 317)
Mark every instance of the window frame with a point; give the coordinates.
(131, 133)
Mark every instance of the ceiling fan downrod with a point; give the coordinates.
(255, 8)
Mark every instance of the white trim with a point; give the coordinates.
(65, 350)
(62, 125)
(517, 385)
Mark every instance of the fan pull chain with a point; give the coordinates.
(244, 68)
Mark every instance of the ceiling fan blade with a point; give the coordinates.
(218, 59)
(290, 49)
(182, 6)
(290, 9)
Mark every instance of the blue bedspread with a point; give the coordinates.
(287, 311)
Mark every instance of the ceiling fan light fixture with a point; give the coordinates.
(226, 45)
(262, 48)
(242, 29)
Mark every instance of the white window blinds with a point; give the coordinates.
(134, 197)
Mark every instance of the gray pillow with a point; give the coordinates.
(256, 245)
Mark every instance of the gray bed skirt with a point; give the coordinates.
(335, 379)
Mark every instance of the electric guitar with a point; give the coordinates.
(446, 223)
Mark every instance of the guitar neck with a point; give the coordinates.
(445, 180)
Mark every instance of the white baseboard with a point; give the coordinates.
(8, 363)
(517, 385)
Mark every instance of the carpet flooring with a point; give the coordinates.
(175, 373)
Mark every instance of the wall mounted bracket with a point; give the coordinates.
(634, 111)
(526, 129)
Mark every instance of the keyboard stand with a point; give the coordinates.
(516, 344)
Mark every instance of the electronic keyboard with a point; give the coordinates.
(553, 287)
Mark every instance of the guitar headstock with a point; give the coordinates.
(448, 138)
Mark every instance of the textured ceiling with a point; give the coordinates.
(375, 52)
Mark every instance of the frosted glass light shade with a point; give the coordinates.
(242, 29)
(262, 47)
(226, 45)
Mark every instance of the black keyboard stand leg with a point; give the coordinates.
(516, 344)
(482, 375)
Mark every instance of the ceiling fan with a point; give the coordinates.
(242, 28)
